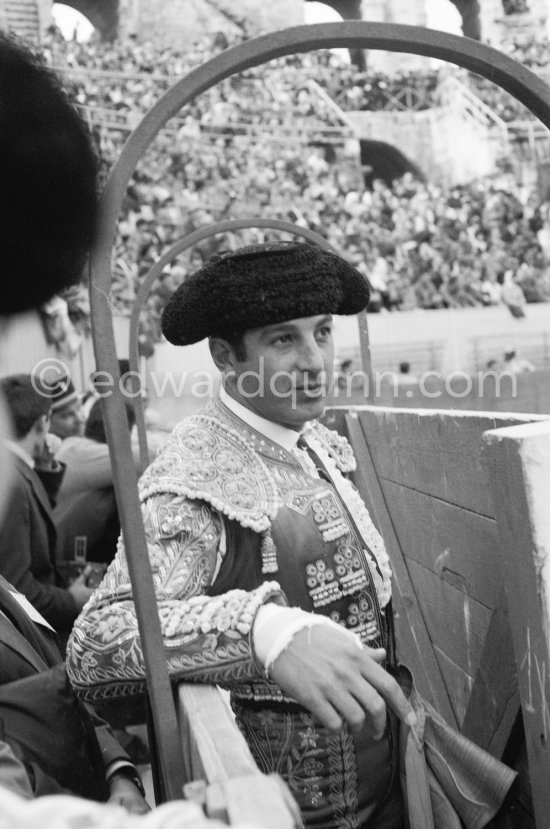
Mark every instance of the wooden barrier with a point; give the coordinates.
(520, 476)
(472, 608)
(461, 500)
(223, 776)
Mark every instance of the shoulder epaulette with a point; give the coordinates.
(208, 460)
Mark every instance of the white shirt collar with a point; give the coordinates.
(282, 435)
(17, 450)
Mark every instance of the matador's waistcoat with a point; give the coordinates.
(233, 520)
(310, 533)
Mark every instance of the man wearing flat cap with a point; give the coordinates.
(271, 579)
(67, 419)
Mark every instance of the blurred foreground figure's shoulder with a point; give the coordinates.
(65, 812)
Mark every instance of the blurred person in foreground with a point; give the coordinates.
(49, 742)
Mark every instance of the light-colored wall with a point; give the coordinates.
(179, 379)
(25, 349)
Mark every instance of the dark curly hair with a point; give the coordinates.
(48, 202)
(95, 425)
(25, 400)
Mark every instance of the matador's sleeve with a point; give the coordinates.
(207, 638)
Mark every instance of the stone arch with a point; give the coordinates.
(385, 161)
(102, 14)
(349, 10)
(470, 12)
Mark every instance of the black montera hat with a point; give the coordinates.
(262, 285)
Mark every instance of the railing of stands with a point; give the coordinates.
(125, 121)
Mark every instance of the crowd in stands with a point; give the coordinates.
(530, 51)
(421, 245)
(533, 53)
(148, 71)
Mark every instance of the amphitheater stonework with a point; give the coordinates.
(183, 21)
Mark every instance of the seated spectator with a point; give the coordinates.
(61, 745)
(27, 534)
(97, 387)
(87, 521)
(491, 289)
(516, 364)
(512, 295)
(87, 461)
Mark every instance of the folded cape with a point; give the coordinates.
(448, 781)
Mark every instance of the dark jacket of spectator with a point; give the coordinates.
(27, 549)
(62, 744)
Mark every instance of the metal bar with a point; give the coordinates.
(366, 356)
(165, 724)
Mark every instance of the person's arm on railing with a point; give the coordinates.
(207, 638)
(211, 638)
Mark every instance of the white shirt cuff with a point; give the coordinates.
(275, 627)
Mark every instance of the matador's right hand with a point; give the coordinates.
(324, 670)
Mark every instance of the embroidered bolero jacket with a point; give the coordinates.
(233, 521)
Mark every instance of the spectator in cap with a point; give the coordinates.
(66, 410)
(87, 458)
(254, 530)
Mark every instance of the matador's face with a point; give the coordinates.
(286, 370)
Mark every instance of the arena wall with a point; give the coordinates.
(441, 342)
(429, 139)
(25, 349)
(180, 380)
